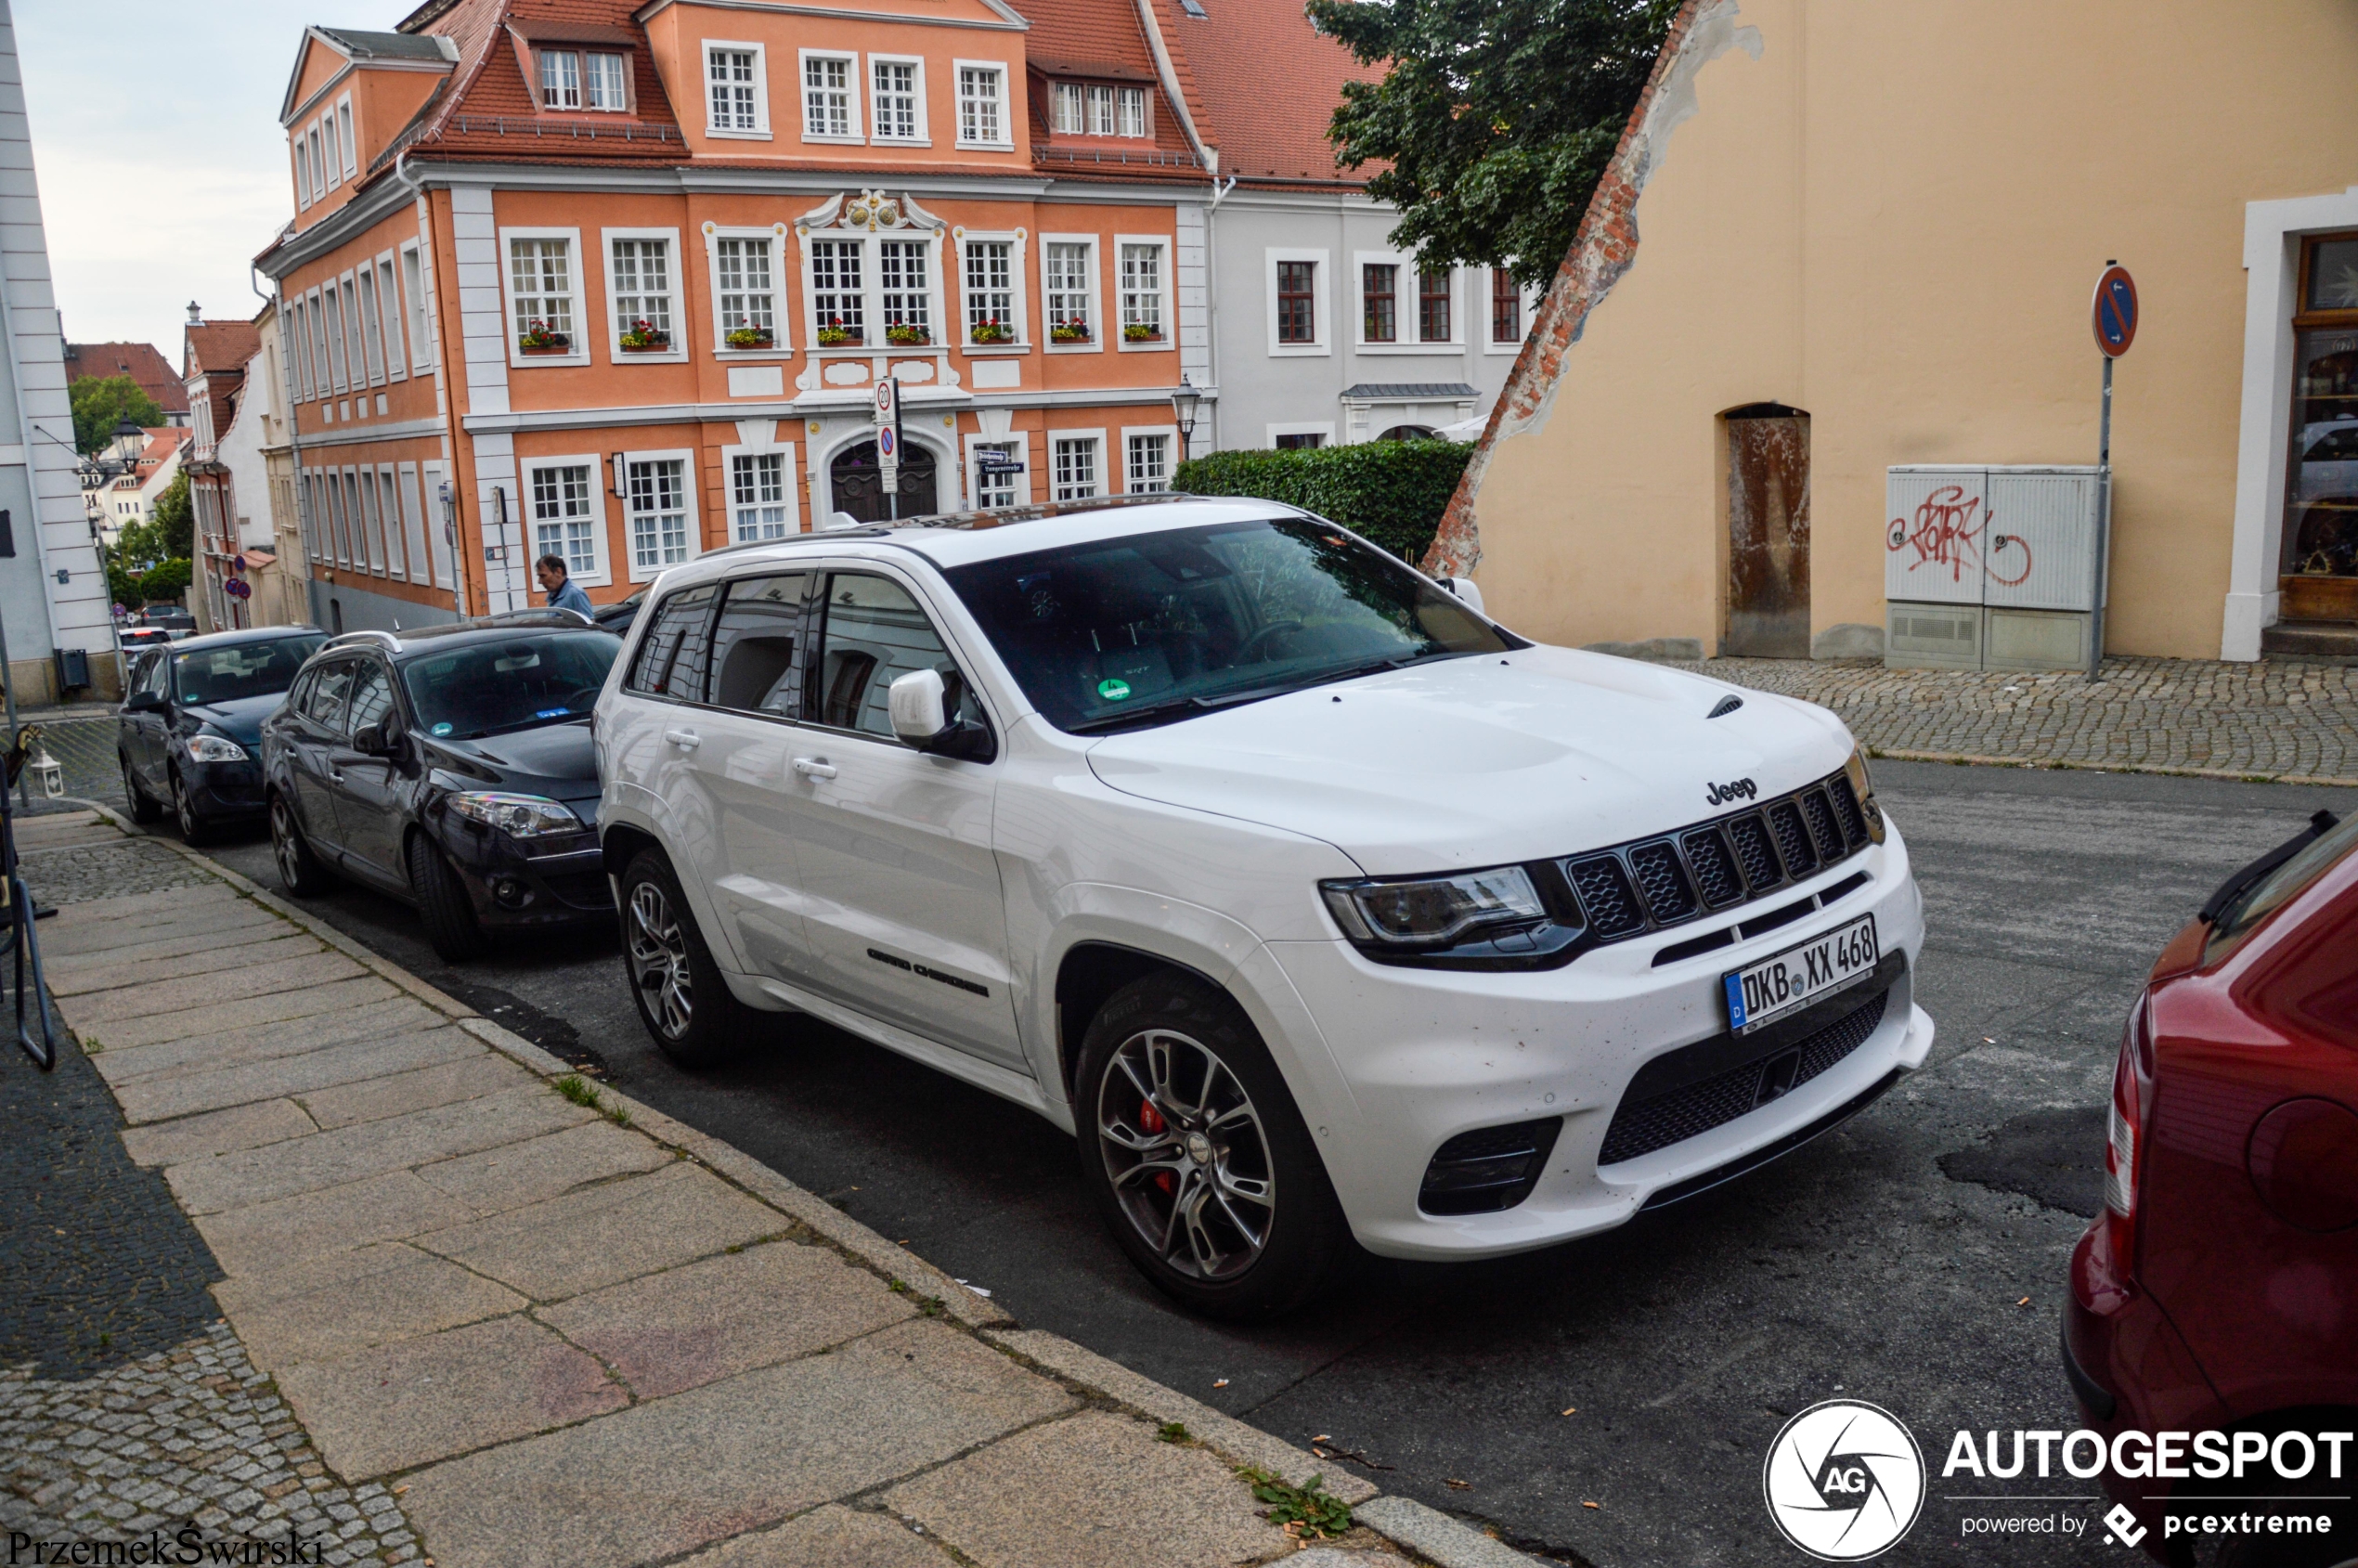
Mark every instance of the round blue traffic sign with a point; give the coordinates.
(884, 442)
(2114, 313)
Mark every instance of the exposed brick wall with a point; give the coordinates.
(1600, 253)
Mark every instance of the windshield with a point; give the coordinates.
(511, 684)
(1158, 626)
(248, 669)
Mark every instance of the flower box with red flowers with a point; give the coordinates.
(644, 337)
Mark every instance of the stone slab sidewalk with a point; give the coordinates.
(527, 1322)
(2271, 720)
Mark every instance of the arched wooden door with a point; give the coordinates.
(1768, 533)
(858, 487)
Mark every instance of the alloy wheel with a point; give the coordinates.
(284, 846)
(185, 809)
(659, 960)
(1188, 1154)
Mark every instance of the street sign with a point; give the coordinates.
(887, 411)
(992, 466)
(889, 456)
(2114, 311)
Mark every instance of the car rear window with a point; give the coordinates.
(2281, 886)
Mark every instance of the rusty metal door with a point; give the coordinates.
(1768, 534)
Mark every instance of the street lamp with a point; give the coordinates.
(1184, 404)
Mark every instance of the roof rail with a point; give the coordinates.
(539, 615)
(342, 638)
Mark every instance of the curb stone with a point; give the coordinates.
(1431, 1536)
(2229, 775)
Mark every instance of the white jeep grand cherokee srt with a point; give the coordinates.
(1317, 905)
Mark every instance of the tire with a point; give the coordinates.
(1198, 1158)
(142, 809)
(195, 831)
(683, 998)
(443, 905)
(300, 872)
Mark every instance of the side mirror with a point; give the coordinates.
(373, 740)
(1464, 588)
(919, 708)
(143, 702)
(921, 719)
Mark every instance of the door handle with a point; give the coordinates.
(814, 766)
(686, 740)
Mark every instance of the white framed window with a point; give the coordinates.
(413, 518)
(302, 175)
(659, 506)
(830, 96)
(982, 104)
(389, 314)
(1437, 317)
(1149, 454)
(605, 81)
(326, 147)
(564, 502)
(560, 79)
(1507, 310)
(748, 304)
(372, 334)
(643, 289)
(1003, 487)
(991, 279)
(413, 300)
(545, 318)
(1068, 113)
(761, 495)
(1076, 464)
(838, 292)
(736, 96)
(904, 291)
(1143, 292)
(1133, 117)
(372, 511)
(324, 372)
(389, 509)
(343, 134)
(331, 300)
(298, 330)
(430, 484)
(1069, 291)
(897, 98)
(1101, 111)
(1297, 284)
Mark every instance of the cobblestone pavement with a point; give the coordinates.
(2272, 718)
(84, 750)
(127, 1406)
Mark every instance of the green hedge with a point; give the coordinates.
(1393, 492)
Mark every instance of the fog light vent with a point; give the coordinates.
(1489, 1169)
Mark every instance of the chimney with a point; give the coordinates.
(195, 315)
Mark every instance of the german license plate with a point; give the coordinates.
(1776, 985)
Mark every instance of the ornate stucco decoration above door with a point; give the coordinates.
(880, 212)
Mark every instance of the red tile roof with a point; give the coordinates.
(216, 346)
(1270, 82)
(141, 361)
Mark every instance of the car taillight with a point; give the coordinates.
(2132, 1086)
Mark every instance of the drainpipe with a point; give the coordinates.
(1219, 189)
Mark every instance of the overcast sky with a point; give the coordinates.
(156, 138)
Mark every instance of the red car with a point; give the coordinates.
(2217, 1292)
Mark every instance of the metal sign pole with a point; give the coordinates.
(2112, 317)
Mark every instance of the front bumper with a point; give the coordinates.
(225, 789)
(524, 884)
(1421, 1056)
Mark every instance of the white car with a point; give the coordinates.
(1317, 905)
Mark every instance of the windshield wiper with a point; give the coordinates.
(1212, 702)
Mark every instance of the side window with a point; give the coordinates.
(874, 633)
(753, 647)
(372, 697)
(157, 671)
(325, 707)
(671, 660)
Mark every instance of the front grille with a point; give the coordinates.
(1642, 1126)
(1488, 1168)
(1668, 896)
(582, 889)
(1711, 865)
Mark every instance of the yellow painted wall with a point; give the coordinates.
(1893, 217)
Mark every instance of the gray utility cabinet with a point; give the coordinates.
(1989, 567)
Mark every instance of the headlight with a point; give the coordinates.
(518, 816)
(1865, 788)
(214, 748)
(1432, 911)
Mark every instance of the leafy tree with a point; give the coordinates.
(167, 580)
(1496, 117)
(176, 518)
(101, 403)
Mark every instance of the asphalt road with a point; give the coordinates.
(1914, 1258)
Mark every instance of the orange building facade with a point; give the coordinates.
(617, 283)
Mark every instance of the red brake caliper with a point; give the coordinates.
(1150, 1122)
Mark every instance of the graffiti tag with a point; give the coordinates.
(1943, 532)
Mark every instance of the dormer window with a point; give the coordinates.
(573, 79)
(1092, 108)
